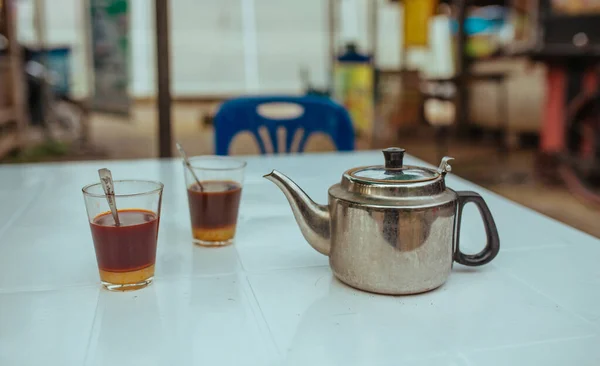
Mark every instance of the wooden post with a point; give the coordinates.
(163, 78)
(18, 79)
(13, 118)
(86, 12)
(39, 18)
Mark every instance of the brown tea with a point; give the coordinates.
(126, 253)
(214, 210)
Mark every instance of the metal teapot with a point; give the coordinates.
(390, 229)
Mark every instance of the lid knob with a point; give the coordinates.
(394, 157)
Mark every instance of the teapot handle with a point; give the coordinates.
(492, 246)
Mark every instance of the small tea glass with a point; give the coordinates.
(214, 203)
(126, 254)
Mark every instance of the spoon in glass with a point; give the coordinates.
(187, 163)
(109, 191)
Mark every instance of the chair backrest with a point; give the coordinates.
(319, 114)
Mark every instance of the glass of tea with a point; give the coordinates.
(214, 199)
(126, 253)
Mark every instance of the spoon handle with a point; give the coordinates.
(109, 190)
(187, 163)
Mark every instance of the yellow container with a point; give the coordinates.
(354, 88)
(416, 21)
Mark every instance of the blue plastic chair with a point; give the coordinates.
(319, 115)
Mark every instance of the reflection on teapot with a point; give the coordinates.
(390, 229)
(407, 231)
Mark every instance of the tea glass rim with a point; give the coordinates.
(241, 164)
(160, 187)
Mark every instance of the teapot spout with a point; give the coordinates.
(313, 219)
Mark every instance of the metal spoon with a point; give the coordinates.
(109, 190)
(186, 161)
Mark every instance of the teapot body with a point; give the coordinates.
(392, 249)
(393, 228)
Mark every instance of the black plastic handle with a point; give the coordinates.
(492, 247)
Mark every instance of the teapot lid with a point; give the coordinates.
(393, 179)
(393, 170)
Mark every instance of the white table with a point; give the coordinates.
(270, 299)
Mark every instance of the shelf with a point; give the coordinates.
(8, 142)
(7, 114)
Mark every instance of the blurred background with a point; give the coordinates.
(508, 88)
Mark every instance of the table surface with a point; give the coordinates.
(270, 299)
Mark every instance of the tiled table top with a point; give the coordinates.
(270, 299)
